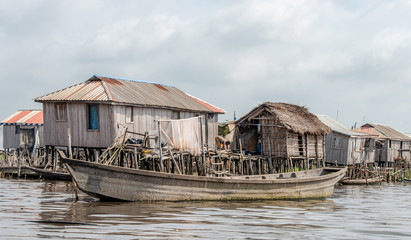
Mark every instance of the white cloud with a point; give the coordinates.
(327, 55)
(387, 42)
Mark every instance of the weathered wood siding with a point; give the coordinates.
(212, 123)
(278, 142)
(56, 132)
(12, 140)
(358, 152)
(345, 150)
(336, 147)
(392, 151)
(144, 120)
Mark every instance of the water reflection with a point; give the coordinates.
(36, 209)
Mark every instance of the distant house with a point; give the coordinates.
(344, 146)
(391, 144)
(95, 111)
(283, 132)
(23, 129)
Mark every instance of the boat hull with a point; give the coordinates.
(117, 183)
(369, 181)
(51, 175)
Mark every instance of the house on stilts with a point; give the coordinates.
(345, 147)
(289, 135)
(391, 146)
(23, 132)
(89, 116)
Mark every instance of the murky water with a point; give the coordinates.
(45, 209)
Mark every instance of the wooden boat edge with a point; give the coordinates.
(335, 172)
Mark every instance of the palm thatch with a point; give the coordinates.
(294, 118)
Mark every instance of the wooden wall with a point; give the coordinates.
(345, 150)
(336, 148)
(12, 140)
(112, 120)
(278, 142)
(389, 153)
(56, 132)
(144, 120)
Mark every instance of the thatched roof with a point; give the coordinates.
(294, 118)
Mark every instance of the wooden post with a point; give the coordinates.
(323, 144)
(240, 165)
(202, 147)
(53, 158)
(75, 190)
(316, 151)
(270, 160)
(96, 153)
(47, 158)
(307, 151)
(286, 146)
(19, 163)
(182, 163)
(69, 143)
(159, 147)
(135, 158)
(174, 161)
(6, 158)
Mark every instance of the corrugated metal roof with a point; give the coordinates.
(385, 131)
(339, 127)
(24, 117)
(142, 93)
(208, 105)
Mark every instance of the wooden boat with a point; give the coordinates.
(51, 175)
(117, 183)
(369, 181)
(14, 172)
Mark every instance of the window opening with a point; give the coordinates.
(92, 116)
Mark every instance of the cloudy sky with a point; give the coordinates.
(348, 59)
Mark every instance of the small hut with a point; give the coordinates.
(391, 145)
(91, 114)
(287, 134)
(346, 147)
(23, 130)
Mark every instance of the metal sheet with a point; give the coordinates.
(132, 92)
(24, 117)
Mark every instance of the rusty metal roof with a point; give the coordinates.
(24, 117)
(141, 93)
(384, 131)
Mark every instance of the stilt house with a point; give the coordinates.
(23, 129)
(391, 144)
(95, 111)
(283, 132)
(344, 146)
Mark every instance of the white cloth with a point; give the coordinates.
(184, 134)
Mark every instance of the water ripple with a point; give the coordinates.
(45, 209)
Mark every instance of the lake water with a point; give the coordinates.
(45, 210)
